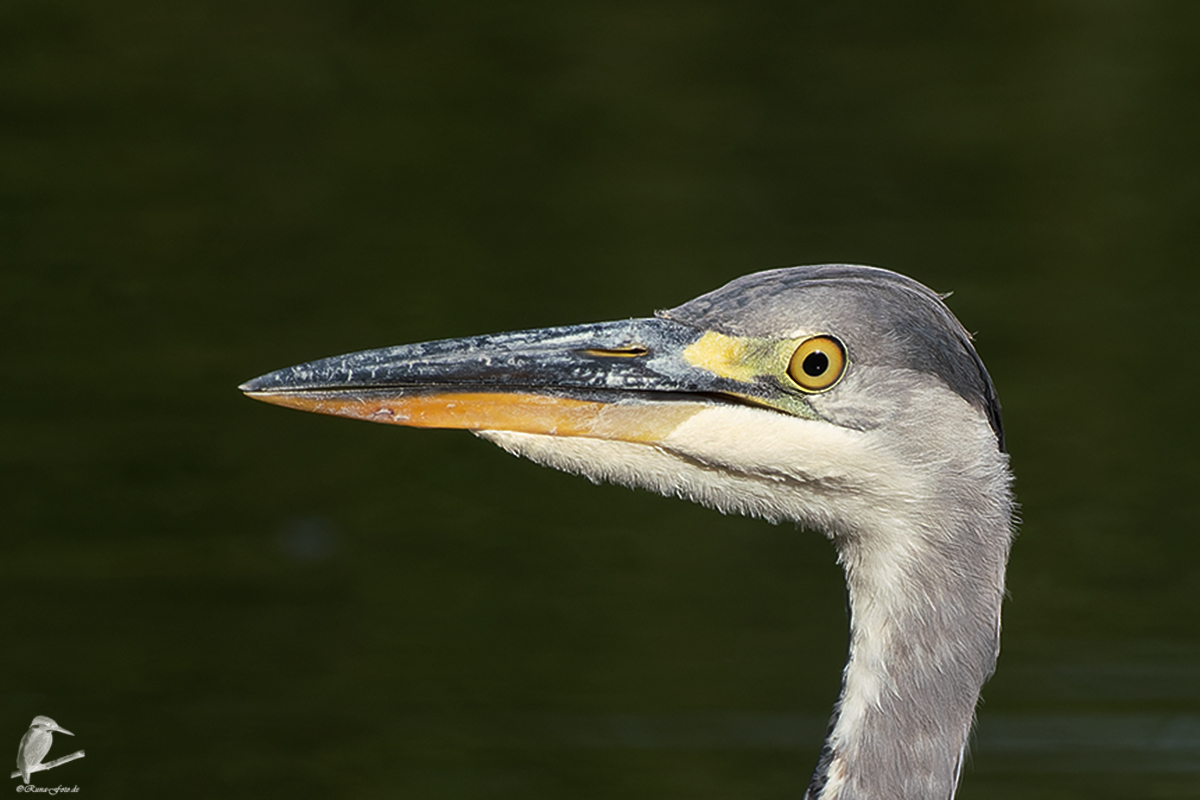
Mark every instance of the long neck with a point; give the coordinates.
(925, 602)
(923, 537)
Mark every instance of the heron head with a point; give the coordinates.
(830, 380)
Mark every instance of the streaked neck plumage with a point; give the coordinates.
(924, 637)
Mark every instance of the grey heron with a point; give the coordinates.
(35, 744)
(846, 399)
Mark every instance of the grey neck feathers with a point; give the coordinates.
(925, 601)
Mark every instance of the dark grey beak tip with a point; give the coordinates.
(273, 381)
(312, 375)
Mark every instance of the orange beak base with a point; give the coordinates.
(506, 411)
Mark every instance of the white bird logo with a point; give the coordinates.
(35, 744)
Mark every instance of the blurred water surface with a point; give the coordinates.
(219, 597)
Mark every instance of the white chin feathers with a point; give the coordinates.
(737, 460)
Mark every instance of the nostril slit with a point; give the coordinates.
(632, 351)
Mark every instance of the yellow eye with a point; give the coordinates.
(818, 363)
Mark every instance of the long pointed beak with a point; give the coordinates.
(634, 380)
(61, 730)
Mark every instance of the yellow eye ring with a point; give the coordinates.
(817, 364)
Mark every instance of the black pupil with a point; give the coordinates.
(815, 363)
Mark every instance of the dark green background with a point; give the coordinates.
(225, 599)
